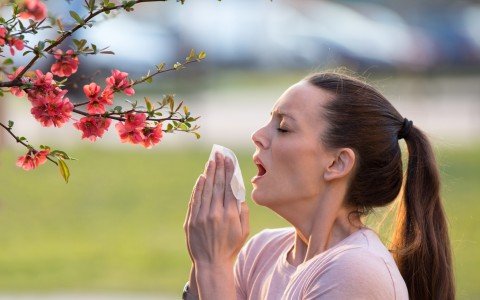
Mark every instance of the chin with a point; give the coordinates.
(260, 197)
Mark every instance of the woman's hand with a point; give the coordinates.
(215, 229)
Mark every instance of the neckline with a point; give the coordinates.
(291, 240)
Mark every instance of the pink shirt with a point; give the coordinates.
(358, 267)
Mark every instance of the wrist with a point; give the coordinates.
(212, 273)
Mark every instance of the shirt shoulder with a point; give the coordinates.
(361, 268)
(269, 236)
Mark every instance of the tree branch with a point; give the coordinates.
(70, 32)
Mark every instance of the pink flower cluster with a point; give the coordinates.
(49, 105)
(135, 130)
(97, 100)
(32, 159)
(119, 82)
(11, 41)
(67, 63)
(95, 126)
(92, 127)
(33, 9)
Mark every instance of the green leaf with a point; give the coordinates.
(64, 171)
(191, 55)
(91, 5)
(8, 61)
(117, 109)
(107, 52)
(61, 155)
(10, 123)
(22, 27)
(202, 55)
(149, 104)
(169, 127)
(185, 110)
(196, 134)
(77, 17)
(183, 126)
(160, 67)
(177, 66)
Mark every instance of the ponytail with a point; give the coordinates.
(421, 246)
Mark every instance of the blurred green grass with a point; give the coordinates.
(118, 225)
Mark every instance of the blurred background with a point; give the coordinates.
(115, 230)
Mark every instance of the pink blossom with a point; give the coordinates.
(17, 43)
(131, 130)
(97, 101)
(107, 95)
(92, 127)
(32, 159)
(44, 87)
(11, 41)
(66, 64)
(50, 111)
(15, 90)
(33, 9)
(91, 90)
(119, 81)
(136, 121)
(152, 135)
(3, 36)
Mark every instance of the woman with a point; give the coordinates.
(328, 156)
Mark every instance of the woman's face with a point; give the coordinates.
(289, 148)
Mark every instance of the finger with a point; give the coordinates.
(206, 197)
(245, 220)
(218, 185)
(197, 197)
(189, 210)
(229, 199)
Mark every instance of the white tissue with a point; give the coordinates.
(238, 187)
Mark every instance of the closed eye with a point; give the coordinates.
(282, 130)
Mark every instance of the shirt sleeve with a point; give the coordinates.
(354, 275)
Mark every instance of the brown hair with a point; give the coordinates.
(360, 118)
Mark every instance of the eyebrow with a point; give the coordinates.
(283, 114)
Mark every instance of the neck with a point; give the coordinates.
(320, 223)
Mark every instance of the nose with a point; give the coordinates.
(259, 138)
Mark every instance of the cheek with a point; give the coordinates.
(299, 170)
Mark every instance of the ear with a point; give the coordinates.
(341, 165)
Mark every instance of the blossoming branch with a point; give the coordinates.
(46, 92)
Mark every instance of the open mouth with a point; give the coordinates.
(261, 170)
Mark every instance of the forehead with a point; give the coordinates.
(301, 101)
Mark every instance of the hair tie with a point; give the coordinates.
(405, 131)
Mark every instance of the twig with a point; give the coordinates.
(18, 140)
